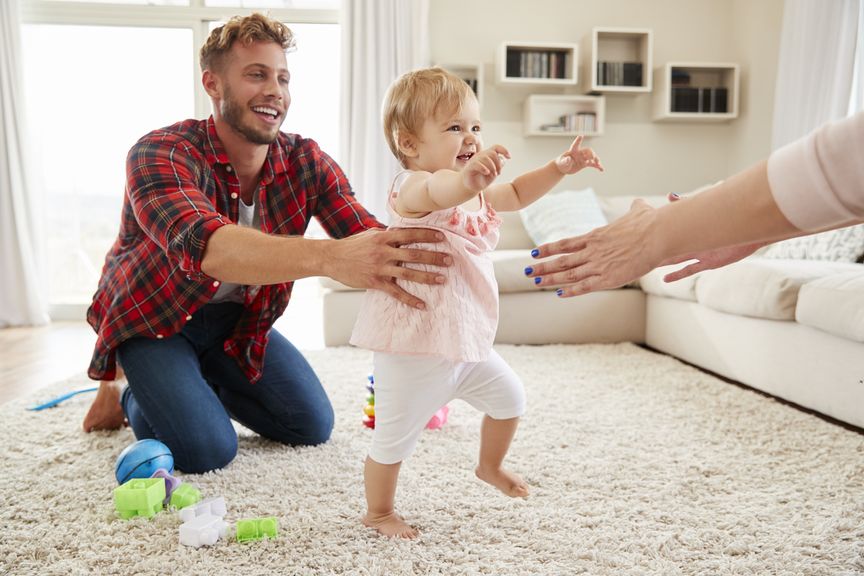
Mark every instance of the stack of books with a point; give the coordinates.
(579, 122)
(619, 73)
(700, 100)
(536, 64)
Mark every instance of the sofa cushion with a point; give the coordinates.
(684, 289)
(841, 245)
(561, 215)
(834, 304)
(761, 287)
(510, 270)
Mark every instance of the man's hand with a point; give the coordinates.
(106, 413)
(373, 260)
(577, 158)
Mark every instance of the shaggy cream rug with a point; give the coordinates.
(638, 464)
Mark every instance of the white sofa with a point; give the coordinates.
(791, 328)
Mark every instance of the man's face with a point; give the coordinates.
(254, 95)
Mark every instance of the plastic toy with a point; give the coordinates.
(437, 421)
(209, 507)
(139, 497)
(55, 401)
(184, 496)
(171, 483)
(141, 459)
(256, 529)
(203, 530)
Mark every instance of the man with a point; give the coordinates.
(210, 243)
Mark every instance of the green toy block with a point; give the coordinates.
(139, 497)
(184, 495)
(256, 529)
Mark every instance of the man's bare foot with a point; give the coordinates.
(390, 525)
(507, 482)
(106, 413)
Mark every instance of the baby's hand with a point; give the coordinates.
(576, 158)
(484, 167)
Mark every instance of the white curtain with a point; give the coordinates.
(816, 66)
(381, 39)
(21, 296)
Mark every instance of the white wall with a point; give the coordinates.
(641, 156)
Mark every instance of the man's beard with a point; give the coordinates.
(232, 113)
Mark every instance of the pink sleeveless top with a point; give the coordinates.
(461, 315)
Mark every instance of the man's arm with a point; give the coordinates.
(371, 259)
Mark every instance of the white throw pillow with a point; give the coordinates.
(841, 245)
(562, 214)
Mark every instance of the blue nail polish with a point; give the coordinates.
(535, 253)
(559, 291)
(528, 270)
(537, 280)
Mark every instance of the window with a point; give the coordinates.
(92, 91)
(87, 105)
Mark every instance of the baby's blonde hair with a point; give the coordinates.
(416, 96)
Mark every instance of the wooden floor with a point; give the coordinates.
(31, 358)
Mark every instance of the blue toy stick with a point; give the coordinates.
(59, 399)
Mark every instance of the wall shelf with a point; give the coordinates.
(539, 63)
(697, 92)
(619, 59)
(564, 115)
(472, 74)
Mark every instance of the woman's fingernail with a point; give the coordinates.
(528, 270)
(535, 253)
(537, 280)
(559, 291)
(448, 260)
(440, 279)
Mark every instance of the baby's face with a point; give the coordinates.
(448, 141)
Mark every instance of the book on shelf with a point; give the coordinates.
(619, 73)
(700, 100)
(548, 64)
(581, 122)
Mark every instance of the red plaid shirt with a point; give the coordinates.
(180, 188)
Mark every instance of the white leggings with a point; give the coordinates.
(410, 389)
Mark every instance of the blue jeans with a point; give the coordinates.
(184, 391)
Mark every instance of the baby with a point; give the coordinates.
(425, 358)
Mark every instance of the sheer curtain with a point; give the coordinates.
(816, 66)
(381, 40)
(21, 295)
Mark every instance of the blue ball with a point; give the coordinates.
(141, 459)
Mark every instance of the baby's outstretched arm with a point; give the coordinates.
(425, 192)
(528, 187)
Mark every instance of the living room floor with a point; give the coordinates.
(31, 358)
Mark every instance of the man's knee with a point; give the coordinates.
(319, 426)
(206, 453)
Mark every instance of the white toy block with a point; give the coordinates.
(211, 506)
(203, 530)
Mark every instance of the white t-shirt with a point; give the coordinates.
(227, 291)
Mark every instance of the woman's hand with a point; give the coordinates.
(606, 257)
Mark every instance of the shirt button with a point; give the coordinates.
(234, 195)
(215, 283)
(188, 317)
(159, 336)
(228, 168)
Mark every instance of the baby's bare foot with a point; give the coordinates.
(390, 525)
(507, 482)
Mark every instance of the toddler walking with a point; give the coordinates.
(425, 358)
